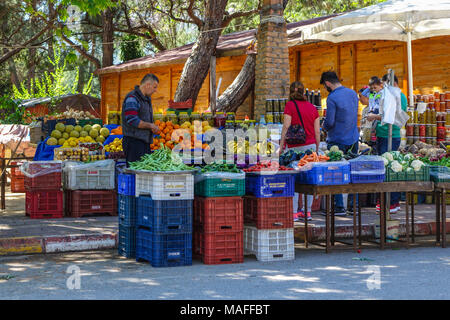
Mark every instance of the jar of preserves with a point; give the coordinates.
(195, 116)
(158, 116)
(269, 117)
(269, 106)
(441, 133)
(409, 130)
(219, 120)
(434, 130)
(422, 130)
(183, 117)
(172, 117)
(231, 116)
(416, 130)
(229, 125)
(113, 117)
(207, 116)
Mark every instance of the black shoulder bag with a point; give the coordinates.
(296, 133)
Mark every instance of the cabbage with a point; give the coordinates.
(388, 156)
(417, 165)
(396, 166)
(386, 161)
(334, 148)
(408, 157)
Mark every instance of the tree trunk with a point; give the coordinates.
(197, 66)
(51, 12)
(108, 38)
(31, 65)
(237, 92)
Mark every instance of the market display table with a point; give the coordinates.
(330, 191)
(440, 191)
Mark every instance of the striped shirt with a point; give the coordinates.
(131, 112)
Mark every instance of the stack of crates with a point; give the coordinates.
(219, 218)
(126, 208)
(164, 205)
(17, 178)
(90, 188)
(44, 197)
(269, 226)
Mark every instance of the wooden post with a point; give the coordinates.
(3, 187)
(212, 84)
(298, 66)
(355, 74)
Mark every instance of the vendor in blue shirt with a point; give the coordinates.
(341, 122)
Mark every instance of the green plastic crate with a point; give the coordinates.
(213, 187)
(90, 121)
(439, 174)
(422, 175)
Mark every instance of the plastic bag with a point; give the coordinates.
(333, 165)
(219, 175)
(102, 164)
(367, 165)
(33, 169)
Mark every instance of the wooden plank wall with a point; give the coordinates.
(355, 62)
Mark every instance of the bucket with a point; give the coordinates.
(392, 230)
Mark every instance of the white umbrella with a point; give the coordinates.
(400, 20)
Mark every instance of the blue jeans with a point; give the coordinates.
(338, 200)
(382, 147)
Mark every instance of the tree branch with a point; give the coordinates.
(80, 49)
(190, 11)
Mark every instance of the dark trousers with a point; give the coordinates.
(382, 147)
(339, 200)
(134, 149)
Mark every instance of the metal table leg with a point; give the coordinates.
(438, 196)
(444, 218)
(382, 220)
(305, 198)
(413, 232)
(354, 221)
(327, 223)
(359, 224)
(407, 219)
(333, 208)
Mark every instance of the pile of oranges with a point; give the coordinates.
(165, 136)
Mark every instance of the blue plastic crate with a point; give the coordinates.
(165, 216)
(367, 178)
(270, 186)
(325, 173)
(126, 184)
(127, 241)
(169, 250)
(126, 208)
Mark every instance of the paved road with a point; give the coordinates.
(419, 273)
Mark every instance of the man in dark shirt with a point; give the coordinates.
(137, 119)
(341, 122)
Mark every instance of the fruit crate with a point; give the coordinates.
(220, 184)
(367, 169)
(42, 175)
(219, 248)
(422, 175)
(269, 245)
(165, 186)
(44, 204)
(270, 186)
(99, 175)
(126, 184)
(439, 174)
(87, 202)
(168, 250)
(225, 214)
(127, 241)
(367, 178)
(269, 213)
(126, 207)
(17, 179)
(324, 173)
(91, 122)
(164, 216)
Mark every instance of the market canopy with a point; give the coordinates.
(390, 20)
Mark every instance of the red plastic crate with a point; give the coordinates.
(44, 204)
(219, 248)
(269, 213)
(49, 181)
(224, 214)
(17, 179)
(86, 202)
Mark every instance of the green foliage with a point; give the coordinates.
(130, 48)
(11, 112)
(52, 84)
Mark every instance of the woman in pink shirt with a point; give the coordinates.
(311, 124)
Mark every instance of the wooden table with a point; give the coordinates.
(440, 191)
(330, 191)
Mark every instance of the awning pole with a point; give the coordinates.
(410, 71)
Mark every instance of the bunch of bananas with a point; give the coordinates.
(115, 146)
(243, 147)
